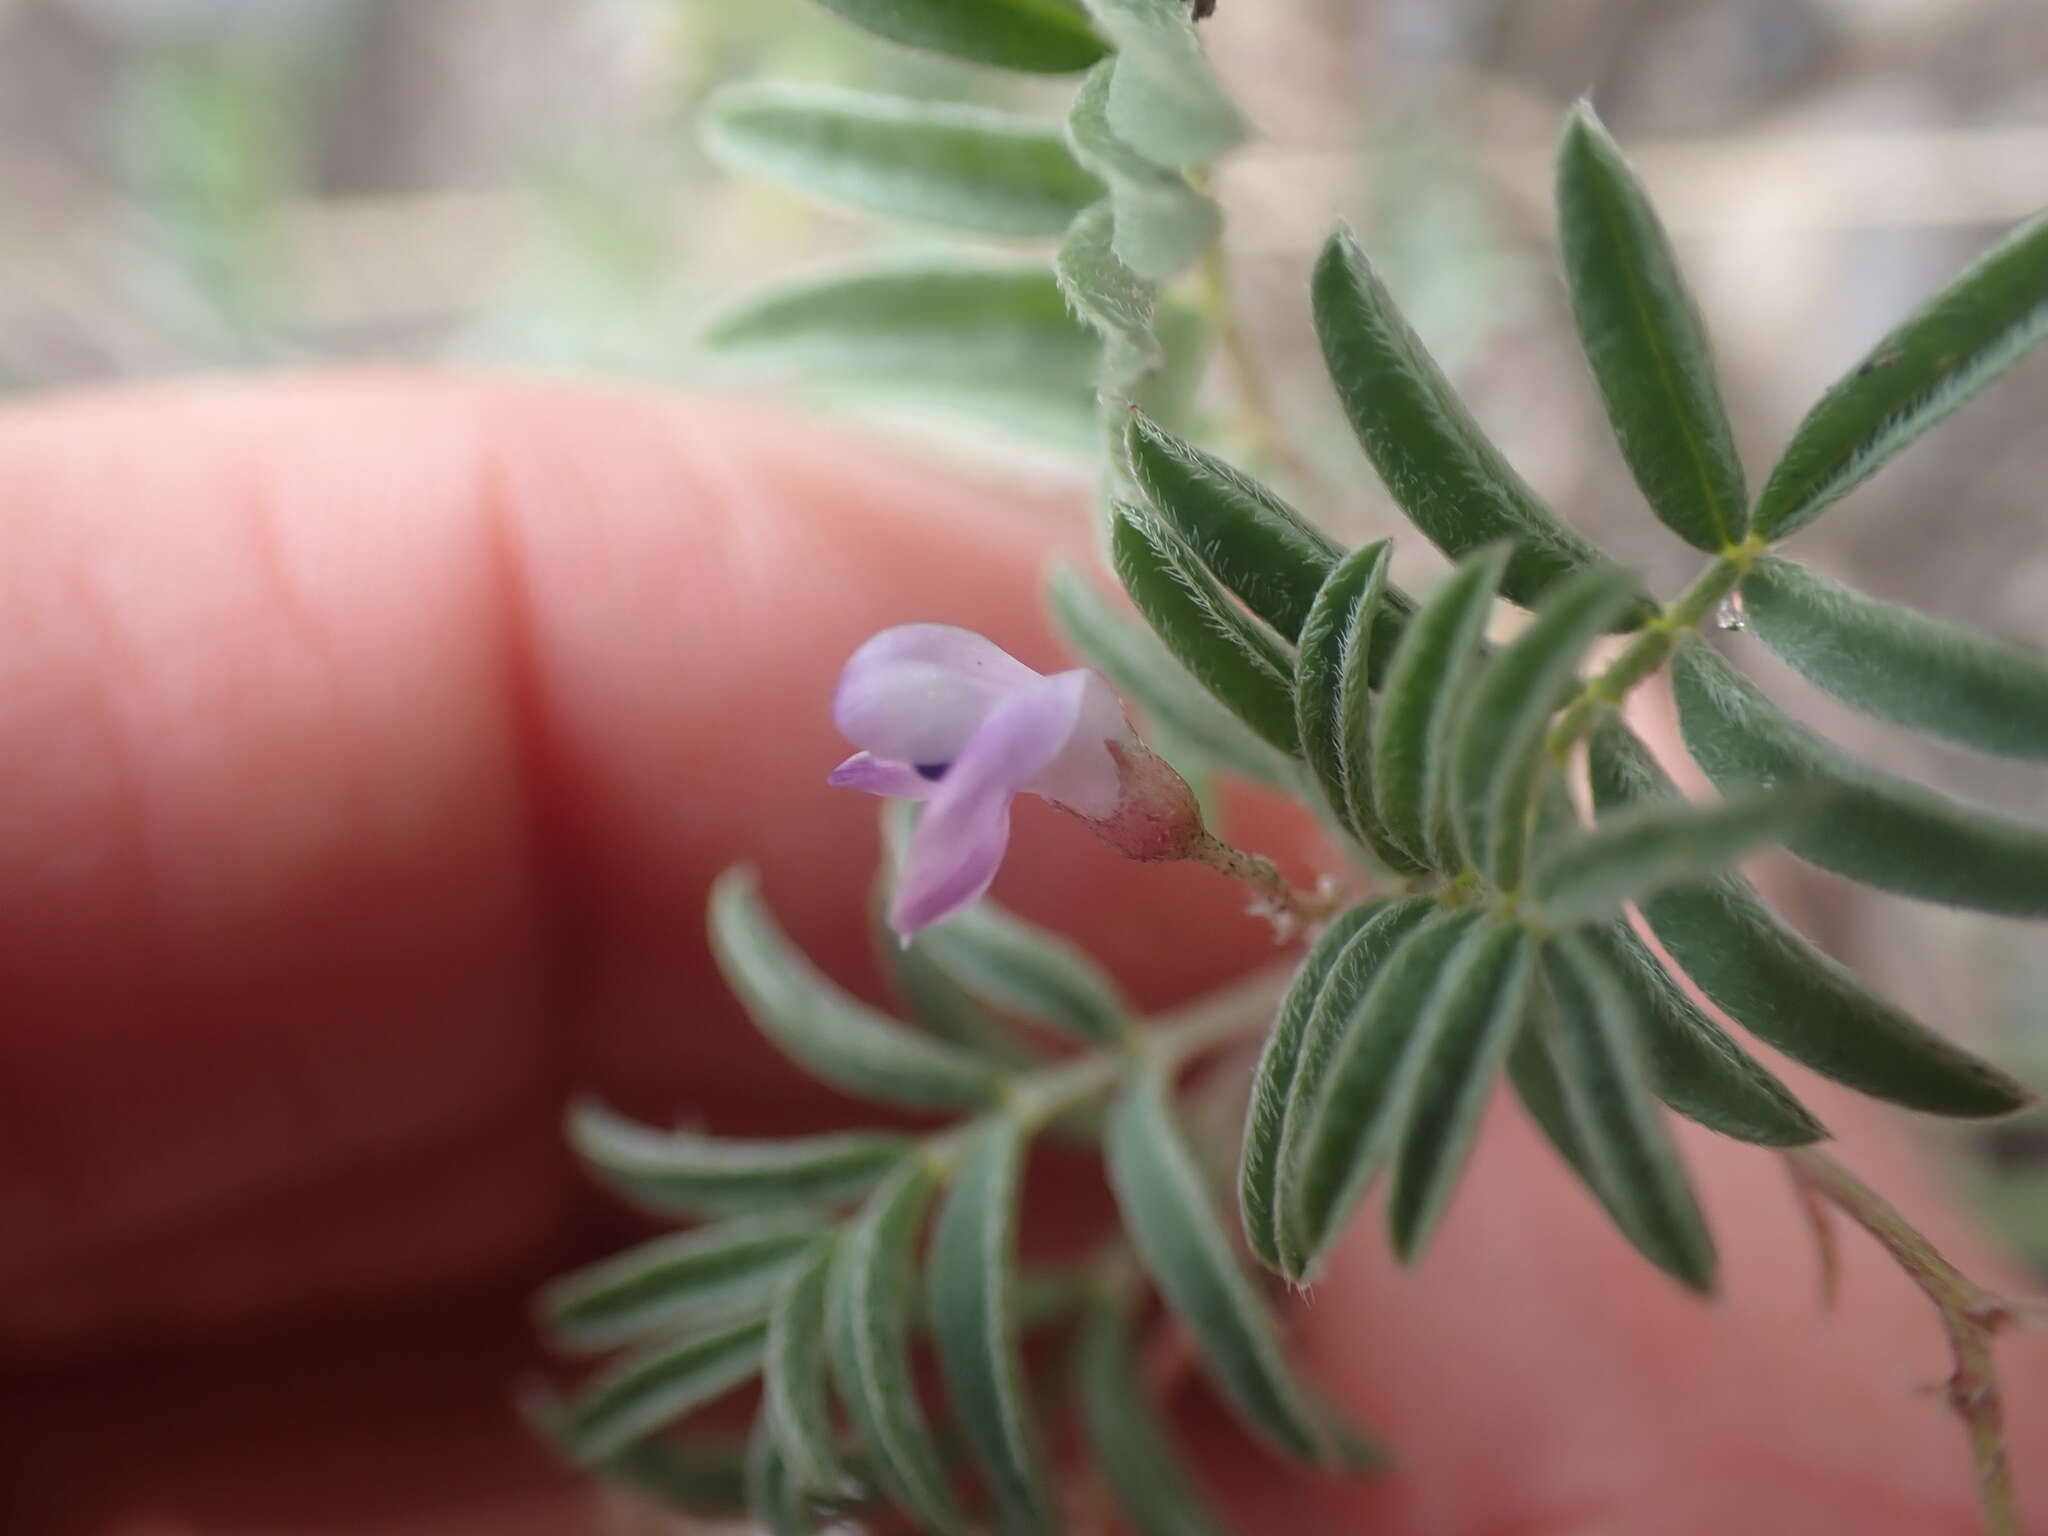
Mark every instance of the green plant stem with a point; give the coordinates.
(1970, 1315)
(1653, 644)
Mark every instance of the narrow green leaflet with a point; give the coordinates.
(1164, 100)
(1874, 827)
(647, 1391)
(1028, 971)
(1145, 673)
(1424, 688)
(684, 1173)
(1783, 990)
(1162, 223)
(1442, 470)
(1497, 748)
(774, 1497)
(1695, 1066)
(947, 331)
(1235, 657)
(1947, 350)
(1900, 665)
(1035, 36)
(1333, 703)
(795, 1399)
(970, 1279)
(934, 1001)
(1151, 1481)
(1183, 1246)
(1462, 1040)
(702, 1475)
(821, 1027)
(937, 162)
(713, 1274)
(1643, 337)
(1353, 1116)
(1263, 550)
(1273, 1080)
(1634, 853)
(868, 1313)
(1593, 1042)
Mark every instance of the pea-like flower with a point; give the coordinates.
(945, 716)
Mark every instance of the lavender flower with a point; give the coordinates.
(947, 717)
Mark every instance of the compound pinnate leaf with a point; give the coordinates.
(1461, 1039)
(647, 1391)
(1899, 665)
(1424, 687)
(712, 1274)
(1443, 471)
(1594, 1043)
(936, 162)
(821, 1027)
(1783, 990)
(1235, 657)
(1637, 852)
(1162, 223)
(1029, 971)
(1151, 1482)
(682, 1172)
(1049, 37)
(1340, 654)
(871, 1295)
(1872, 826)
(1337, 1135)
(1642, 334)
(1497, 752)
(1273, 1080)
(1183, 1245)
(1140, 667)
(970, 1281)
(795, 1397)
(1695, 1065)
(1253, 542)
(1164, 101)
(1951, 347)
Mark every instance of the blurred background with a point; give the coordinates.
(195, 185)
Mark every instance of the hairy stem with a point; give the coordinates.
(1970, 1315)
(1291, 908)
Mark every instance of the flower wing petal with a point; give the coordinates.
(917, 693)
(1084, 777)
(960, 838)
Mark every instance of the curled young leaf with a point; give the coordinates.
(1642, 334)
(824, 1029)
(971, 1283)
(1235, 657)
(713, 1274)
(1164, 101)
(1146, 674)
(1151, 1481)
(1353, 1116)
(684, 1173)
(1424, 690)
(872, 1292)
(646, 1391)
(1872, 826)
(932, 161)
(1593, 1042)
(1183, 1246)
(1049, 37)
(1249, 539)
(1497, 745)
(1783, 990)
(1899, 665)
(1162, 224)
(1440, 467)
(1952, 346)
